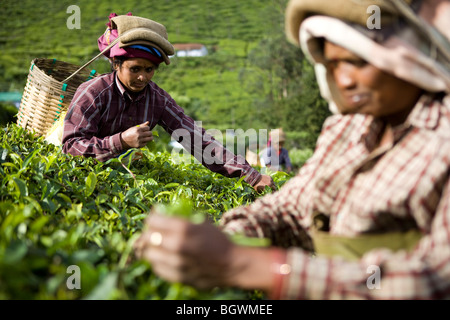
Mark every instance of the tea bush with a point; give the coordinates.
(59, 212)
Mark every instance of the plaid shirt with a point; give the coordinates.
(365, 189)
(101, 109)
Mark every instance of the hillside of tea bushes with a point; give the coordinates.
(58, 211)
(252, 78)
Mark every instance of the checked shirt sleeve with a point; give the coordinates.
(333, 176)
(207, 150)
(380, 274)
(277, 216)
(81, 126)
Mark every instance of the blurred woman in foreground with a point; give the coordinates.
(367, 217)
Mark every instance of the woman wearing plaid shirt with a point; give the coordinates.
(113, 114)
(368, 216)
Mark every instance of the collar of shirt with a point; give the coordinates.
(427, 112)
(124, 92)
(425, 115)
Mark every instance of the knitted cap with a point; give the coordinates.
(141, 31)
(137, 32)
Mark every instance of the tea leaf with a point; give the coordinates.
(91, 182)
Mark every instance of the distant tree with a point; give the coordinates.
(285, 84)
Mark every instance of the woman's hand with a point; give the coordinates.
(136, 137)
(266, 180)
(201, 255)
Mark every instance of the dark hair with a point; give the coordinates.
(118, 61)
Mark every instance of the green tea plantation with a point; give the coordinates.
(61, 215)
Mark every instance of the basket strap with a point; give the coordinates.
(94, 58)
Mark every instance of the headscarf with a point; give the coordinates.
(397, 48)
(133, 51)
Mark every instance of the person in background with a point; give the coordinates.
(368, 215)
(275, 156)
(116, 112)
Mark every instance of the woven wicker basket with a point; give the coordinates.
(49, 90)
